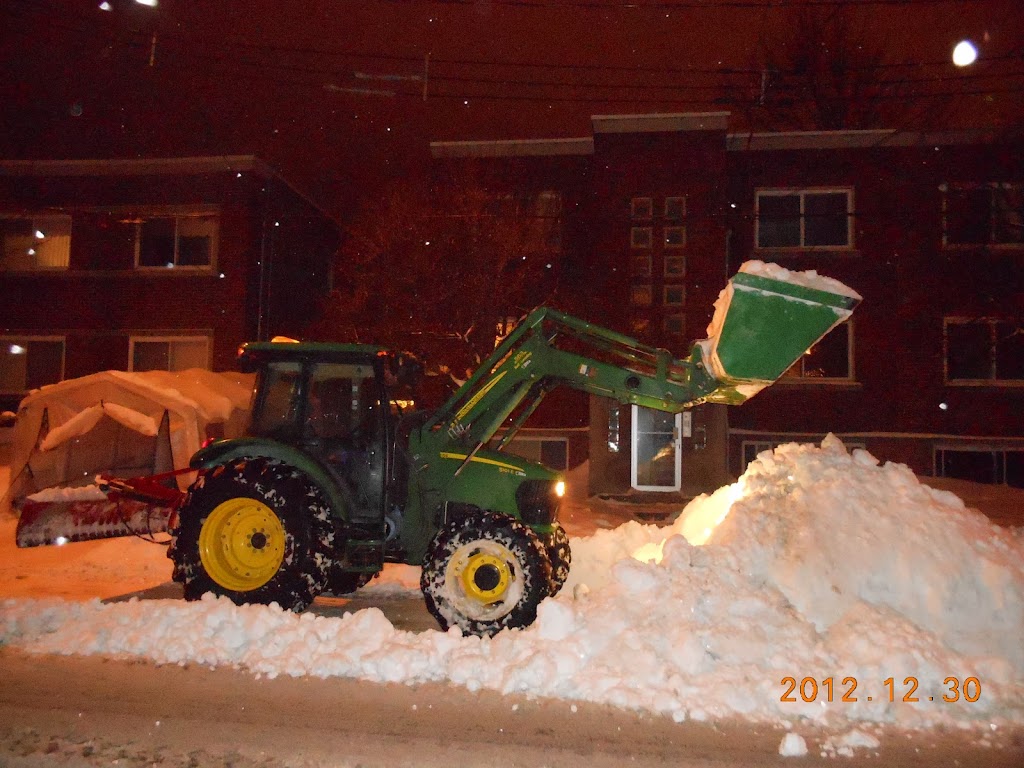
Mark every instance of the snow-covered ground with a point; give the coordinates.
(821, 588)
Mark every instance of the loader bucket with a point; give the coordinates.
(765, 320)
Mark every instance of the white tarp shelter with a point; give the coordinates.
(125, 424)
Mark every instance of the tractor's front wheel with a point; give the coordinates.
(556, 544)
(485, 573)
(254, 531)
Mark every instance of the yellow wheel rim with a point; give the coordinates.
(484, 580)
(486, 577)
(241, 544)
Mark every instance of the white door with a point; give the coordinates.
(656, 461)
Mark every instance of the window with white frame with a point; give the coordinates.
(830, 359)
(980, 464)
(812, 218)
(641, 208)
(675, 265)
(983, 214)
(675, 208)
(176, 240)
(640, 237)
(984, 350)
(675, 237)
(168, 353)
(674, 324)
(674, 295)
(30, 362)
(35, 242)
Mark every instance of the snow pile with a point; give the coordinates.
(829, 577)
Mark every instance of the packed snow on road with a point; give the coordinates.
(822, 588)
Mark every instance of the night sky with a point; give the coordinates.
(332, 91)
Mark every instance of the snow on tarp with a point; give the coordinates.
(83, 422)
(826, 565)
(73, 412)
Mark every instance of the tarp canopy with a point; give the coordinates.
(124, 424)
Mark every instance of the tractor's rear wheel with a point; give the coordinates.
(485, 573)
(254, 531)
(556, 544)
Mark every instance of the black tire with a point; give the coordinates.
(485, 573)
(556, 545)
(254, 531)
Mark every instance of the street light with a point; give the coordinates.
(964, 53)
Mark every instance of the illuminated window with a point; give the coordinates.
(30, 362)
(35, 242)
(983, 214)
(168, 353)
(804, 219)
(640, 295)
(984, 350)
(830, 359)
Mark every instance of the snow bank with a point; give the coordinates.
(829, 577)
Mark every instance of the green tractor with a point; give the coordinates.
(337, 478)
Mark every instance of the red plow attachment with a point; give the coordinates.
(137, 506)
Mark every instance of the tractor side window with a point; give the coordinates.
(342, 399)
(277, 407)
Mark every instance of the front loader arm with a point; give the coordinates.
(764, 320)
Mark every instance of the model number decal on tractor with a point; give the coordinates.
(502, 466)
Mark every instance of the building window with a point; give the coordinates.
(176, 241)
(830, 359)
(675, 324)
(640, 265)
(641, 208)
(675, 237)
(35, 242)
(983, 214)
(751, 449)
(984, 350)
(640, 237)
(639, 326)
(675, 266)
(675, 208)
(805, 219)
(640, 295)
(168, 353)
(981, 465)
(30, 362)
(674, 295)
(552, 452)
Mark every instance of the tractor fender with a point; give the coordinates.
(224, 451)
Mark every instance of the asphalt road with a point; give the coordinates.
(88, 711)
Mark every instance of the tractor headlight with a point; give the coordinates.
(538, 501)
(560, 488)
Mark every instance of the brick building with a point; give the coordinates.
(661, 209)
(143, 264)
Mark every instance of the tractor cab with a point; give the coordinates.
(333, 402)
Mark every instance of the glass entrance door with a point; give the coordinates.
(655, 462)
